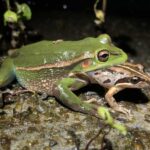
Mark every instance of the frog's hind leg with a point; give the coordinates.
(6, 72)
(64, 93)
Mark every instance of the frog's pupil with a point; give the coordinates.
(104, 55)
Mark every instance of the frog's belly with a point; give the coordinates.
(43, 81)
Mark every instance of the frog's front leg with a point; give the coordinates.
(112, 102)
(64, 93)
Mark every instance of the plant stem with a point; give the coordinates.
(7, 4)
(104, 3)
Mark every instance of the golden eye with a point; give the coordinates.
(103, 55)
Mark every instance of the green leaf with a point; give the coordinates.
(10, 16)
(25, 11)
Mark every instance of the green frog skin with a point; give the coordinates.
(60, 67)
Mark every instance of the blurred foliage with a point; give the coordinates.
(100, 13)
(14, 21)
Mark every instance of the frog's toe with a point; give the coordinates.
(125, 111)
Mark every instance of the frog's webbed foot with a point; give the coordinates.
(120, 108)
(127, 115)
(112, 102)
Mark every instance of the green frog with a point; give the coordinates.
(57, 68)
(117, 78)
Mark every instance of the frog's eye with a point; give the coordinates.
(135, 80)
(103, 55)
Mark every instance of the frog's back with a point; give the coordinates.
(48, 52)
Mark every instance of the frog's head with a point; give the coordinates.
(105, 55)
(134, 76)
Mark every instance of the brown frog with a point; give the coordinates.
(117, 78)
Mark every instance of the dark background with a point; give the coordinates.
(127, 7)
(114, 6)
